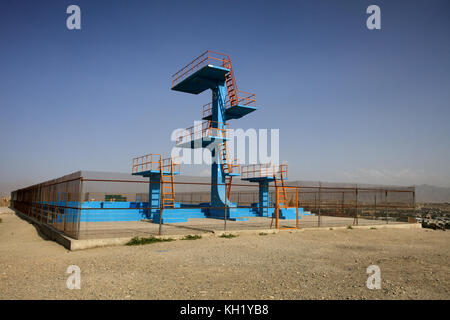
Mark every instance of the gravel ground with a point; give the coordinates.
(305, 265)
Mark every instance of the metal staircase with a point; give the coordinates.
(227, 167)
(231, 83)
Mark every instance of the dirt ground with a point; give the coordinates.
(322, 264)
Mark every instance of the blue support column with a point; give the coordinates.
(154, 196)
(218, 188)
(264, 199)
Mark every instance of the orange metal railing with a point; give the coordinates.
(203, 130)
(234, 166)
(282, 172)
(153, 162)
(244, 99)
(264, 170)
(206, 58)
(171, 164)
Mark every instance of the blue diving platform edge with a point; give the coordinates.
(149, 173)
(201, 80)
(201, 142)
(235, 112)
(260, 179)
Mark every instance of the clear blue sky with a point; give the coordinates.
(351, 104)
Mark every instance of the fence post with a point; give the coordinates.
(65, 205)
(277, 208)
(315, 202)
(79, 210)
(375, 210)
(355, 218)
(386, 207)
(225, 213)
(320, 196)
(296, 206)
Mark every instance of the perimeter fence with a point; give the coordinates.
(87, 205)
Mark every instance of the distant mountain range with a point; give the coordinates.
(427, 193)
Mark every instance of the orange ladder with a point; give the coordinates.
(167, 184)
(226, 166)
(231, 83)
(280, 192)
(279, 177)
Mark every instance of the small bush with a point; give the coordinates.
(349, 227)
(263, 234)
(373, 228)
(140, 241)
(192, 237)
(331, 228)
(228, 236)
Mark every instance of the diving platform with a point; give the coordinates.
(245, 103)
(201, 80)
(261, 172)
(202, 135)
(152, 165)
(202, 73)
(149, 173)
(264, 174)
(233, 112)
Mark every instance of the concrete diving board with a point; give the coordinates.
(201, 80)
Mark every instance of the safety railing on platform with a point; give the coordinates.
(235, 166)
(206, 58)
(203, 130)
(146, 163)
(153, 162)
(282, 172)
(244, 99)
(263, 170)
(169, 164)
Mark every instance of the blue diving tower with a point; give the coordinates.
(214, 71)
(264, 174)
(161, 174)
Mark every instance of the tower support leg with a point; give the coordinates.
(219, 202)
(264, 200)
(154, 197)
